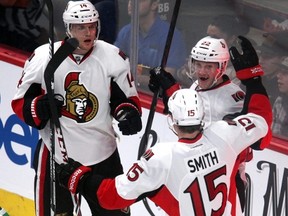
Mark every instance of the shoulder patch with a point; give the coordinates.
(122, 54)
(238, 96)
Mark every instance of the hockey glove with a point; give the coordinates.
(159, 78)
(246, 64)
(72, 175)
(129, 118)
(40, 107)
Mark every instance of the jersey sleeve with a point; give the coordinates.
(123, 88)
(241, 132)
(146, 175)
(256, 124)
(30, 85)
(257, 101)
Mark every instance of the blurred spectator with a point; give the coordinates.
(273, 25)
(108, 12)
(280, 107)
(18, 24)
(228, 27)
(152, 39)
(272, 51)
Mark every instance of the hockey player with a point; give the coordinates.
(221, 97)
(191, 176)
(95, 85)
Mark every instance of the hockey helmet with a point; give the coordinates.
(80, 12)
(210, 49)
(186, 107)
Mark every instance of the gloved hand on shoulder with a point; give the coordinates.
(246, 64)
(72, 175)
(129, 118)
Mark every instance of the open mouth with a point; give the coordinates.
(87, 41)
(203, 78)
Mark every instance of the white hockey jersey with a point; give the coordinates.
(225, 98)
(195, 172)
(86, 121)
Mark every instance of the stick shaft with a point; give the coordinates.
(144, 140)
(68, 47)
(145, 137)
(52, 135)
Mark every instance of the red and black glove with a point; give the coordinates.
(41, 108)
(161, 79)
(72, 175)
(129, 118)
(246, 64)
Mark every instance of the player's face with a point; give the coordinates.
(206, 73)
(282, 77)
(85, 34)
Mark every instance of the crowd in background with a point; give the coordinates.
(24, 25)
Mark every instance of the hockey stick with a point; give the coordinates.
(52, 136)
(67, 48)
(148, 131)
(144, 139)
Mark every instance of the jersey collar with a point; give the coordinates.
(191, 140)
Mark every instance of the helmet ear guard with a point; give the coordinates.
(80, 12)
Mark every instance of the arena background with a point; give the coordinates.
(268, 172)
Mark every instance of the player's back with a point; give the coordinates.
(201, 173)
(200, 169)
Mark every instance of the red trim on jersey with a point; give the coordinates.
(42, 178)
(233, 188)
(17, 106)
(265, 111)
(166, 201)
(192, 140)
(109, 198)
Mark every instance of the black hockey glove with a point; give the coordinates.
(129, 119)
(72, 175)
(40, 106)
(246, 64)
(159, 78)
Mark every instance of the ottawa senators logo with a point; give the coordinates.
(81, 105)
